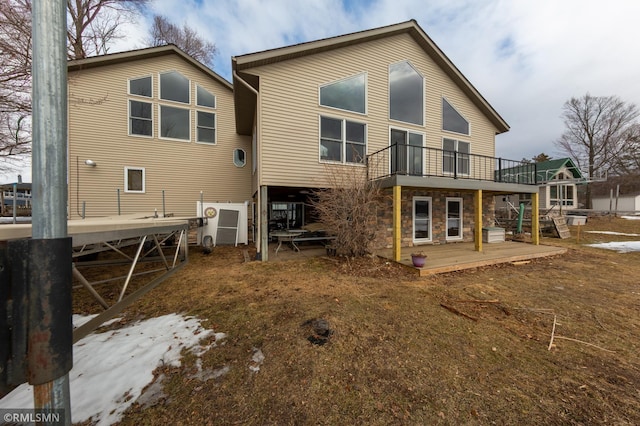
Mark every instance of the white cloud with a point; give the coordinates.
(526, 57)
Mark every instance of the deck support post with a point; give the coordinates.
(263, 230)
(397, 223)
(478, 219)
(535, 219)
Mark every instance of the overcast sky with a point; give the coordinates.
(526, 57)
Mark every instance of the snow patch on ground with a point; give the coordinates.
(620, 247)
(111, 369)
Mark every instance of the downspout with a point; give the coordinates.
(258, 166)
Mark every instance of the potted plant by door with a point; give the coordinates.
(418, 259)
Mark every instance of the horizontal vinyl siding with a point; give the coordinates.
(98, 130)
(290, 111)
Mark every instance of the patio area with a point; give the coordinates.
(459, 256)
(441, 258)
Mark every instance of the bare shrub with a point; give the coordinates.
(348, 209)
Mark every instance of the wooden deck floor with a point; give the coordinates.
(445, 257)
(459, 256)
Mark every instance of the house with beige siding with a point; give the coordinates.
(152, 130)
(385, 102)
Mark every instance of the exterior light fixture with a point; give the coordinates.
(90, 163)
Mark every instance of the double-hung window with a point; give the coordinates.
(342, 141)
(455, 157)
(140, 111)
(205, 118)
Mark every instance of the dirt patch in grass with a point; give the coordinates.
(468, 347)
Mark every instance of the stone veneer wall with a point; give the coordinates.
(438, 215)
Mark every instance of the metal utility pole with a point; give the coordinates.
(50, 328)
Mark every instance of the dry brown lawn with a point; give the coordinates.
(461, 348)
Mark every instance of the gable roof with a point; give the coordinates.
(547, 170)
(544, 171)
(141, 54)
(246, 97)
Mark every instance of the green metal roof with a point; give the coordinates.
(547, 170)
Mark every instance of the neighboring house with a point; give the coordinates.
(18, 193)
(558, 182)
(386, 102)
(152, 130)
(617, 193)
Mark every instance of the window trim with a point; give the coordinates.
(139, 78)
(189, 109)
(456, 171)
(215, 98)
(160, 98)
(413, 219)
(344, 141)
(424, 96)
(136, 135)
(126, 180)
(366, 94)
(444, 99)
(423, 135)
(459, 237)
(215, 128)
(562, 194)
(244, 162)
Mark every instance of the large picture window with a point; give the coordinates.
(174, 87)
(452, 120)
(134, 179)
(347, 94)
(342, 140)
(406, 93)
(140, 118)
(455, 157)
(561, 194)
(175, 123)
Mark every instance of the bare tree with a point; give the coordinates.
(598, 132)
(629, 162)
(15, 82)
(164, 32)
(93, 24)
(348, 209)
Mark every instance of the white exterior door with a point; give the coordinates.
(421, 219)
(454, 219)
